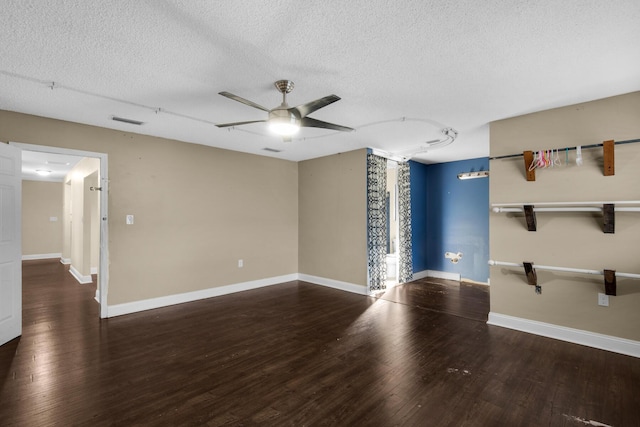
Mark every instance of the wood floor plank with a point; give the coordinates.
(300, 354)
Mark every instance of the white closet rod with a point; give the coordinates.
(566, 269)
(567, 206)
(623, 202)
(498, 209)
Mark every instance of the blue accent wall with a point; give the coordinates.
(419, 247)
(450, 215)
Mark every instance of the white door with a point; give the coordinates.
(10, 243)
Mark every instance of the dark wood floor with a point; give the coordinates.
(300, 354)
(461, 299)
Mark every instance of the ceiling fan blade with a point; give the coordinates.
(226, 125)
(244, 101)
(310, 107)
(313, 123)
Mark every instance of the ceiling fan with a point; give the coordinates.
(284, 120)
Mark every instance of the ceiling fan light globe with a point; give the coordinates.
(282, 122)
(283, 128)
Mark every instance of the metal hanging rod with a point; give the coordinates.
(565, 206)
(508, 156)
(565, 269)
(572, 209)
(619, 202)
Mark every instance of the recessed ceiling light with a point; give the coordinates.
(42, 172)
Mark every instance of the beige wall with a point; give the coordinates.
(568, 239)
(197, 209)
(83, 213)
(41, 201)
(333, 217)
(66, 223)
(94, 205)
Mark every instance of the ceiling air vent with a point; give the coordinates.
(123, 120)
(271, 150)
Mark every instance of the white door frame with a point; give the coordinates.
(103, 269)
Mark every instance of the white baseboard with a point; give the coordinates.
(97, 296)
(576, 336)
(437, 274)
(79, 277)
(420, 275)
(149, 304)
(40, 256)
(335, 284)
(475, 282)
(65, 261)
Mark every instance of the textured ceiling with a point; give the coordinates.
(404, 70)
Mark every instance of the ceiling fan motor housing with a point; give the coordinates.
(284, 114)
(284, 86)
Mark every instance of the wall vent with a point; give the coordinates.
(129, 121)
(272, 150)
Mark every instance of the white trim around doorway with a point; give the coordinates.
(103, 270)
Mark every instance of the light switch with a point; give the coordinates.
(129, 219)
(53, 218)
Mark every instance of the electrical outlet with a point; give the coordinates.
(603, 300)
(129, 219)
(240, 263)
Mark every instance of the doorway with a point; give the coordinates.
(84, 227)
(393, 227)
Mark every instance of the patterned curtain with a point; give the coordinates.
(405, 262)
(377, 221)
